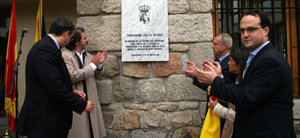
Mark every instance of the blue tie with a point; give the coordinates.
(250, 57)
(247, 64)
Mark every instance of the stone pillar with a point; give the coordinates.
(150, 99)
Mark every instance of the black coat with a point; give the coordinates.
(264, 98)
(49, 100)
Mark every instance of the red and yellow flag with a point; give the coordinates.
(11, 56)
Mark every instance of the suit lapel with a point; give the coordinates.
(225, 61)
(256, 58)
(224, 64)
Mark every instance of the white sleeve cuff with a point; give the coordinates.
(99, 67)
(93, 66)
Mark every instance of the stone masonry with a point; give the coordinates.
(151, 99)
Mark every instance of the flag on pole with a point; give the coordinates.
(11, 56)
(212, 126)
(40, 23)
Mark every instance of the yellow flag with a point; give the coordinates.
(40, 23)
(211, 127)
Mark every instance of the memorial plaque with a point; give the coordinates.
(145, 30)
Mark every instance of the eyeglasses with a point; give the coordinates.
(249, 30)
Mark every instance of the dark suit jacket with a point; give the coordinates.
(264, 98)
(227, 75)
(49, 100)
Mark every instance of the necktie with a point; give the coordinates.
(250, 57)
(217, 60)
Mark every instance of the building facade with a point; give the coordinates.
(147, 99)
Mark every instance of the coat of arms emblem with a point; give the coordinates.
(144, 14)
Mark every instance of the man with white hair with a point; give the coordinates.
(221, 46)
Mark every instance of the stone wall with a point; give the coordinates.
(150, 99)
(153, 99)
(296, 114)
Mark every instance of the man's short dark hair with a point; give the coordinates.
(80, 29)
(264, 19)
(61, 25)
(76, 38)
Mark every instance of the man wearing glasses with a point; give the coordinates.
(264, 99)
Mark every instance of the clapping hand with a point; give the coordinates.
(192, 66)
(207, 75)
(215, 66)
(191, 72)
(103, 56)
(99, 58)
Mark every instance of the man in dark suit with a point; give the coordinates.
(264, 99)
(222, 44)
(49, 100)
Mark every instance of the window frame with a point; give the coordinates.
(291, 8)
